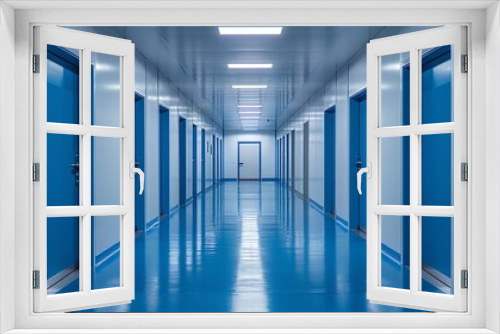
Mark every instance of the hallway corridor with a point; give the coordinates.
(249, 247)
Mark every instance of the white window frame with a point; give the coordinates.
(87, 43)
(414, 44)
(483, 310)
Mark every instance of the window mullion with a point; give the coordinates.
(86, 170)
(415, 254)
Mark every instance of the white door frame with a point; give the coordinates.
(477, 317)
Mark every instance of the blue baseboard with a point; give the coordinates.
(391, 254)
(152, 223)
(316, 205)
(269, 179)
(106, 254)
(230, 180)
(174, 209)
(342, 222)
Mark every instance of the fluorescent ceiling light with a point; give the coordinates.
(250, 118)
(250, 112)
(250, 30)
(250, 106)
(249, 65)
(250, 86)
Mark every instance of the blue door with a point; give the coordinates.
(330, 160)
(203, 157)
(357, 152)
(195, 160)
(182, 161)
(214, 160)
(62, 165)
(164, 161)
(140, 214)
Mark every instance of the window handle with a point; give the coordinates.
(368, 171)
(134, 170)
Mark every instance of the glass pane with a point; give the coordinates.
(63, 255)
(437, 254)
(437, 169)
(63, 85)
(63, 170)
(395, 170)
(395, 256)
(106, 171)
(106, 252)
(437, 98)
(395, 89)
(106, 90)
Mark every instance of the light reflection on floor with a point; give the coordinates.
(249, 247)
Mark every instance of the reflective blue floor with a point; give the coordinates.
(249, 247)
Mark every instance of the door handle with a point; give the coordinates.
(240, 163)
(368, 171)
(134, 170)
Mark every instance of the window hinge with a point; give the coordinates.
(36, 172)
(465, 279)
(36, 279)
(36, 63)
(465, 171)
(465, 64)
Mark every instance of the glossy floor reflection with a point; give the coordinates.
(250, 247)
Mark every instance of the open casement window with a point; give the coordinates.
(416, 170)
(83, 169)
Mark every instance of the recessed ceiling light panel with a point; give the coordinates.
(249, 86)
(250, 30)
(249, 112)
(250, 106)
(249, 66)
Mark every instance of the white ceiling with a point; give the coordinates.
(304, 59)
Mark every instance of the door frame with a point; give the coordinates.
(183, 156)
(330, 159)
(203, 151)
(18, 53)
(164, 112)
(260, 156)
(306, 156)
(195, 160)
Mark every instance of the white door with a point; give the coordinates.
(83, 169)
(249, 161)
(416, 150)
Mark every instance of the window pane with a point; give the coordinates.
(395, 89)
(106, 252)
(63, 170)
(437, 254)
(63, 85)
(63, 255)
(437, 169)
(106, 171)
(437, 87)
(395, 170)
(395, 256)
(106, 90)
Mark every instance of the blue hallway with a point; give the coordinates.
(249, 247)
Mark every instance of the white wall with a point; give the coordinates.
(268, 152)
